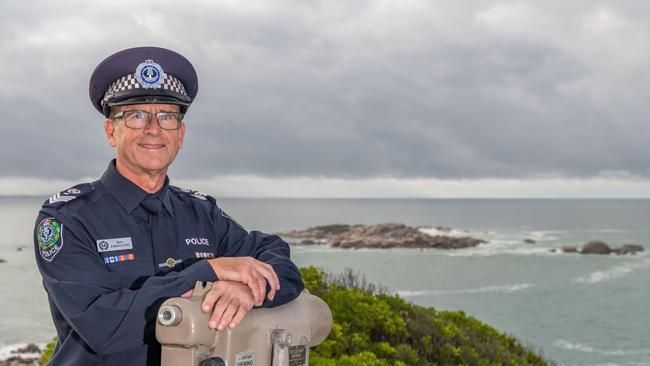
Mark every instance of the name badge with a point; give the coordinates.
(110, 245)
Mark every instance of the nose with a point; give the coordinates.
(153, 126)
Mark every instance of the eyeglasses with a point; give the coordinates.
(141, 119)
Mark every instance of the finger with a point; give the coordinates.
(254, 285)
(218, 311)
(271, 293)
(211, 297)
(270, 276)
(266, 273)
(226, 318)
(275, 275)
(260, 285)
(239, 316)
(275, 288)
(187, 293)
(261, 282)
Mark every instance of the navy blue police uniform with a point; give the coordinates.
(111, 253)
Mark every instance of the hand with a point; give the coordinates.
(188, 293)
(250, 272)
(229, 302)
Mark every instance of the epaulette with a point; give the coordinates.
(204, 197)
(68, 195)
(192, 193)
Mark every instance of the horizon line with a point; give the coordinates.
(378, 198)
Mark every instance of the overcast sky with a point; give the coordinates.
(348, 98)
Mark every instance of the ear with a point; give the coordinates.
(181, 135)
(109, 129)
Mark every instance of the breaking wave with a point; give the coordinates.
(506, 241)
(614, 272)
(580, 347)
(502, 289)
(444, 232)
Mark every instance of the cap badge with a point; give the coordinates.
(149, 74)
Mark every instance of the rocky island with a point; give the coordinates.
(378, 236)
(599, 247)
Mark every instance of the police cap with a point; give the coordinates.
(143, 75)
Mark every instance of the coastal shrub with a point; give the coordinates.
(373, 327)
(47, 352)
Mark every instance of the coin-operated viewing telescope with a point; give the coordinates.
(279, 336)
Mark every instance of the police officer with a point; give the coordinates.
(112, 250)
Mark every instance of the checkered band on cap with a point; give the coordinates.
(129, 81)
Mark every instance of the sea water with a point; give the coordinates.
(578, 309)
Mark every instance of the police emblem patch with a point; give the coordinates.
(50, 238)
(149, 74)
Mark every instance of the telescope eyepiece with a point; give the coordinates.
(169, 315)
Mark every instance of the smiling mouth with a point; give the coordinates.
(152, 146)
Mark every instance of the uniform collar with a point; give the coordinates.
(128, 194)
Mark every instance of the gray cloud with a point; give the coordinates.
(483, 89)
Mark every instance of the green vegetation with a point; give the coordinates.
(47, 352)
(374, 328)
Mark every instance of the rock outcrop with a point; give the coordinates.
(23, 356)
(628, 249)
(29, 348)
(569, 249)
(595, 247)
(380, 236)
(18, 361)
(599, 247)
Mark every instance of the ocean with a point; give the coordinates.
(578, 309)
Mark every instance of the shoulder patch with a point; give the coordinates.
(69, 194)
(50, 238)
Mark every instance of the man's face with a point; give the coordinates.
(146, 150)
